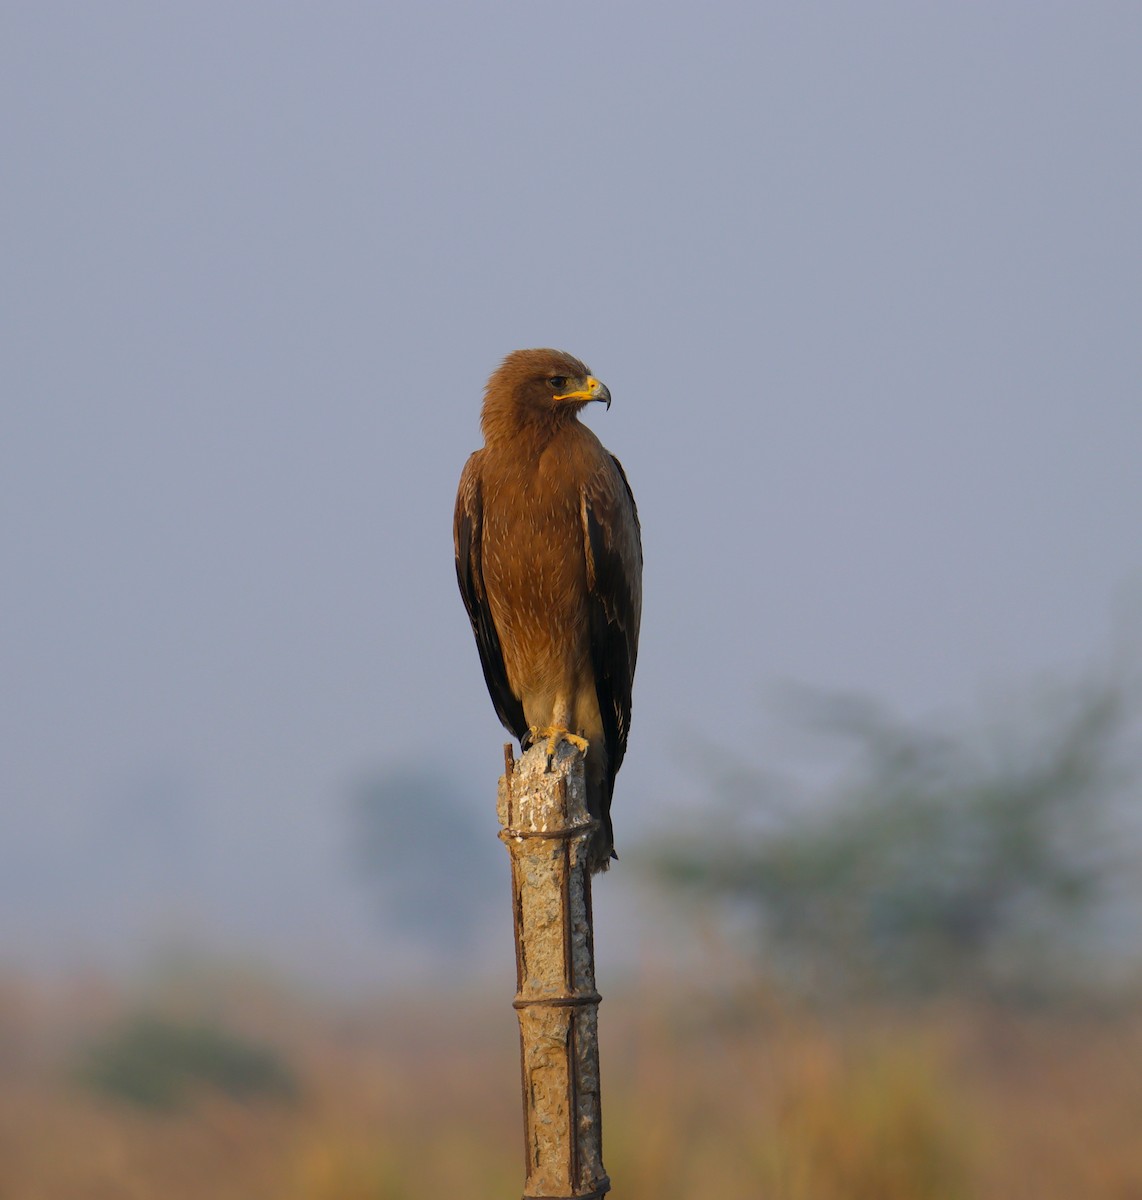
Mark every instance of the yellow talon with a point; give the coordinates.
(555, 735)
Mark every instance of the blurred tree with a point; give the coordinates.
(936, 862)
(434, 867)
(158, 1064)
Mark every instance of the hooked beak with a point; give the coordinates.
(594, 390)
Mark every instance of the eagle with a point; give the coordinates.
(549, 562)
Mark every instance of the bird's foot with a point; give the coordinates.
(555, 734)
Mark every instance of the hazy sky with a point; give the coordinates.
(865, 282)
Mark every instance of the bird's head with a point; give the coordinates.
(531, 385)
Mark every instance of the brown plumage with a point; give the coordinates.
(549, 560)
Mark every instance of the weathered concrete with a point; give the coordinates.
(546, 827)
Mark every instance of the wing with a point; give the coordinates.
(614, 583)
(467, 534)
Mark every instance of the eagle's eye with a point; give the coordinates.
(557, 381)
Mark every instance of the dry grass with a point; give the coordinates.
(737, 1097)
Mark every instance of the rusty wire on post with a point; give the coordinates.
(546, 826)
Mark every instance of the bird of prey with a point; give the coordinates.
(549, 561)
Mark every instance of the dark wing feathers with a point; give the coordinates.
(614, 582)
(613, 549)
(467, 530)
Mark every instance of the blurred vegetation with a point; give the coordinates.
(981, 861)
(158, 1063)
(433, 867)
(948, 865)
(708, 1091)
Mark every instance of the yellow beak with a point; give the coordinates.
(594, 390)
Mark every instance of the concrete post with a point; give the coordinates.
(545, 825)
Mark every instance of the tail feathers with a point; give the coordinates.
(602, 846)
